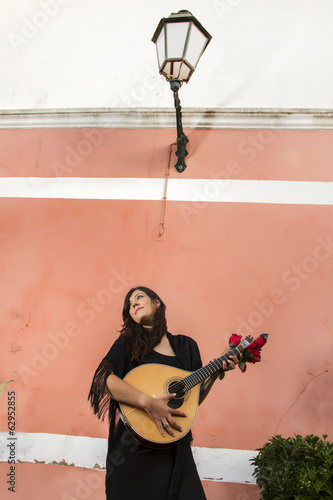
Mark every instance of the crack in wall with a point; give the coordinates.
(298, 397)
(39, 154)
(39, 294)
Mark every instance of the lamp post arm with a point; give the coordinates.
(182, 139)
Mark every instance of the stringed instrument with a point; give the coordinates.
(157, 380)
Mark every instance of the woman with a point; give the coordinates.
(134, 471)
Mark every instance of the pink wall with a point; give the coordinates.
(220, 268)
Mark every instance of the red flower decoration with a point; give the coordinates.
(251, 353)
(259, 343)
(235, 340)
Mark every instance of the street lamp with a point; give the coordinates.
(180, 42)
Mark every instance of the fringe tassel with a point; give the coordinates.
(98, 398)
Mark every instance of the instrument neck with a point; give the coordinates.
(210, 369)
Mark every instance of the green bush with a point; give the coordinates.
(297, 468)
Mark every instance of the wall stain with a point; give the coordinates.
(212, 479)
(15, 349)
(97, 466)
(3, 384)
(62, 462)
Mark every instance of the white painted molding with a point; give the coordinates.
(56, 449)
(181, 190)
(214, 464)
(227, 465)
(146, 118)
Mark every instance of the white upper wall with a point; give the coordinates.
(99, 54)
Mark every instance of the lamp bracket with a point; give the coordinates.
(182, 139)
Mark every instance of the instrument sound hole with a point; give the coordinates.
(176, 387)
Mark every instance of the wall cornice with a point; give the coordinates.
(148, 118)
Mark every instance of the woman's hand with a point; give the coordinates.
(157, 408)
(231, 363)
(159, 411)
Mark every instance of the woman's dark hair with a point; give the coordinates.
(143, 340)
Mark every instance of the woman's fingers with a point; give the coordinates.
(161, 428)
(175, 425)
(167, 423)
(176, 413)
(167, 427)
(230, 364)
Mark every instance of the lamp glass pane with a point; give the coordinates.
(167, 70)
(176, 38)
(184, 73)
(171, 70)
(160, 47)
(176, 71)
(195, 46)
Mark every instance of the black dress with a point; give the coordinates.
(136, 472)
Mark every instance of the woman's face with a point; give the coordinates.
(142, 308)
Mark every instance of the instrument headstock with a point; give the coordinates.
(249, 339)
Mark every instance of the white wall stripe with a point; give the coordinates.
(147, 118)
(214, 464)
(182, 190)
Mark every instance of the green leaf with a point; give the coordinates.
(242, 364)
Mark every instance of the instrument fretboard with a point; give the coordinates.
(211, 368)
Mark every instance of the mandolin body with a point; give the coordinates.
(158, 380)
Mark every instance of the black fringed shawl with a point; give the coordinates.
(118, 361)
